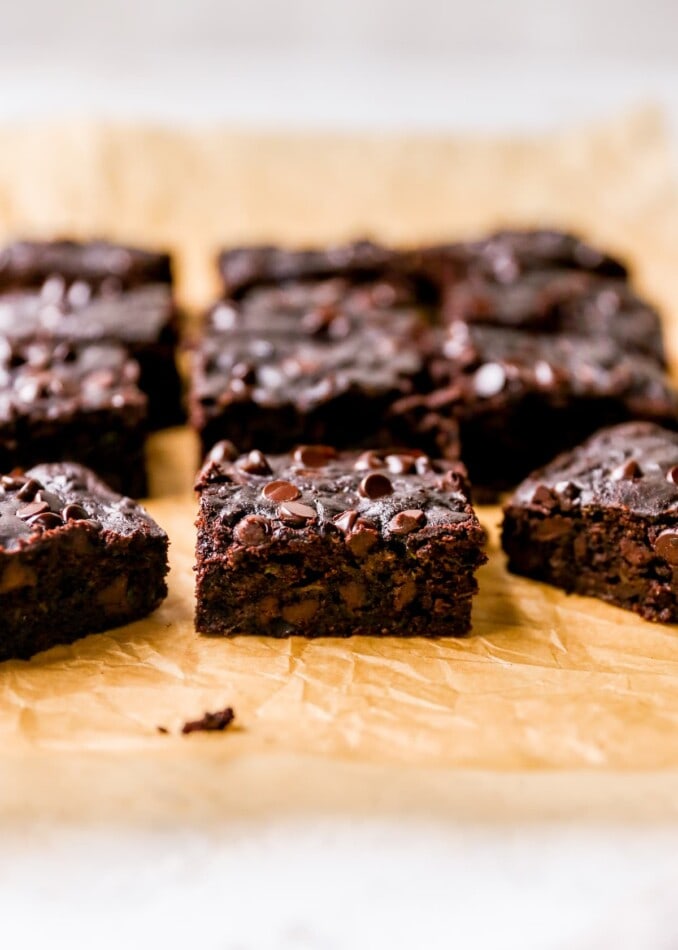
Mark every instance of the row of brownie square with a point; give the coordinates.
(322, 543)
(507, 349)
(88, 339)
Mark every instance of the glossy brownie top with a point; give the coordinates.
(99, 263)
(47, 379)
(632, 467)
(397, 493)
(50, 499)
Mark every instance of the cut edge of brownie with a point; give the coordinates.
(86, 559)
(610, 532)
(305, 569)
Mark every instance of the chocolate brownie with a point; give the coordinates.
(99, 265)
(143, 319)
(75, 558)
(73, 402)
(602, 520)
(320, 543)
(520, 398)
(559, 301)
(242, 268)
(308, 363)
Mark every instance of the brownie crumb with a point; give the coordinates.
(210, 722)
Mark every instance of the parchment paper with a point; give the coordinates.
(545, 682)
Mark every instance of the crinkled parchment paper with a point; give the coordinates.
(554, 702)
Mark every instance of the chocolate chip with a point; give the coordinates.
(255, 463)
(545, 497)
(280, 491)
(32, 509)
(568, 490)
(375, 486)
(627, 470)
(407, 521)
(296, 514)
(452, 480)
(52, 500)
(666, 546)
(11, 484)
(489, 379)
(346, 520)
(46, 520)
(251, 531)
(400, 464)
(74, 512)
(672, 475)
(29, 490)
(368, 460)
(223, 451)
(423, 464)
(314, 456)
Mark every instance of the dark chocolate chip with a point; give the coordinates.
(223, 451)
(545, 497)
(489, 379)
(32, 509)
(251, 531)
(407, 521)
(368, 460)
(55, 503)
(627, 470)
(74, 512)
(672, 475)
(280, 491)
(11, 484)
(423, 464)
(255, 463)
(400, 464)
(346, 520)
(46, 520)
(314, 456)
(452, 480)
(295, 513)
(568, 490)
(375, 485)
(666, 546)
(29, 490)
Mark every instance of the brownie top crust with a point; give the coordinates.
(100, 263)
(633, 467)
(65, 497)
(307, 344)
(245, 267)
(559, 301)
(505, 254)
(498, 363)
(135, 316)
(397, 492)
(46, 379)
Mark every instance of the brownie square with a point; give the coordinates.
(242, 268)
(559, 301)
(602, 520)
(75, 558)
(317, 362)
(520, 398)
(101, 265)
(143, 319)
(320, 543)
(73, 402)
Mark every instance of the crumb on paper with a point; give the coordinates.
(210, 722)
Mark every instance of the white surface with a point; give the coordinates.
(333, 885)
(338, 884)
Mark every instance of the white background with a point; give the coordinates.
(385, 63)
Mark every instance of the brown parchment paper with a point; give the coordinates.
(554, 705)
